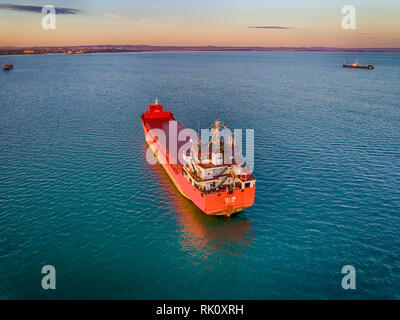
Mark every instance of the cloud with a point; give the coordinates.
(270, 27)
(114, 16)
(365, 35)
(151, 20)
(36, 9)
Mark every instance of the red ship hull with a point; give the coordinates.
(224, 202)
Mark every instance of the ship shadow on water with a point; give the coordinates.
(201, 233)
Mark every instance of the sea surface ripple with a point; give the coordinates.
(76, 191)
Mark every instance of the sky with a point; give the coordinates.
(267, 23)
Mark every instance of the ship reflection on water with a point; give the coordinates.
(201, 234)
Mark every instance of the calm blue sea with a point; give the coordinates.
(77, 193)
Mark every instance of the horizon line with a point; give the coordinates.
(193, 46)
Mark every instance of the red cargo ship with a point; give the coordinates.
(215, 187)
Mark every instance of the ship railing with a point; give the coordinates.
(222, 189)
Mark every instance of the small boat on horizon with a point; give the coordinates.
(356, 65)
(7, 67)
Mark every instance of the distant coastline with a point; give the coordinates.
(148, 48)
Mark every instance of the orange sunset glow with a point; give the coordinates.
(228, 23)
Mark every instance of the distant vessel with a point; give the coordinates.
(356, 65)
(7, 67)
(215, 187)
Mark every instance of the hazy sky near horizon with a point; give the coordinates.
(205, 22)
